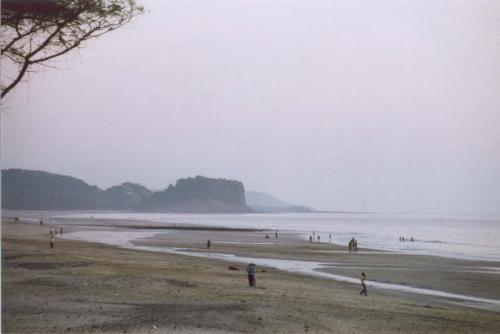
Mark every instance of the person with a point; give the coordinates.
(330, 238)
(208, 244)
(355, 245)
(310, 239)
(276, 234)
(41, 222)
(51, 241)
(318, 238)
(61, 232)
(363, 284)
(252, 273)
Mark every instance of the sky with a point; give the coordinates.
(351, 105)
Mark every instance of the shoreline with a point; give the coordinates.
(82, 287)
(307, 268)
(135, 223)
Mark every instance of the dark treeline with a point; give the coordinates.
(39, 190)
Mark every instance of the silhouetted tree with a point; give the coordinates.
(35, 31)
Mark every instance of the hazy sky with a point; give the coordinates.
(342, 105)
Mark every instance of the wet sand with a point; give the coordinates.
(90, 287)
(465, 277)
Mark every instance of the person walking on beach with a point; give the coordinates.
(208, 244)
(330, 238)
(310, 239)
(276, 234)
(363, 284)
(61, 232)
(318, 238)
(252, 275)
(41, 222)
(51, 241)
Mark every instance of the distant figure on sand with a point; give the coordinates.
(51, 241)
(276, 234)
(353, 245)
(310, 239)
(61, 232)
(330, 238)
(252, 273)
(318, 238)
(363, 284)
(208, 244)
(41, 222)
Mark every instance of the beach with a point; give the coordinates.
(167, 281)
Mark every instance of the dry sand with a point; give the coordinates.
(86, 287)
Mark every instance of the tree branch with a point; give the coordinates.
(20, 75)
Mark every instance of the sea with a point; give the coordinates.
(471, 236)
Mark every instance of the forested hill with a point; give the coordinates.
(39, 190)
(200, 194)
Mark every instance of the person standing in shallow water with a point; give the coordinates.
(363, 284)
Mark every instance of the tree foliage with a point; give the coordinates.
(34, 32)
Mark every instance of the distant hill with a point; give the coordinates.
(255, 198)
(200, 194)
(126, 196)
(262, 202)
(39, 190)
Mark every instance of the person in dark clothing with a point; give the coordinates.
(363, 284)
(52, 242)
(208, 244)
(252, 273)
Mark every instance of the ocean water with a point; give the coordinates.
(459, 236)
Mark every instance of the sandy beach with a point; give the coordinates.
(92, 287)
